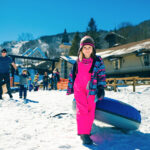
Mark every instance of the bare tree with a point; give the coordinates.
(25, 37)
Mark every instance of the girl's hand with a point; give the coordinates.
(100, 93)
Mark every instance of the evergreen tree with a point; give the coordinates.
(65, 38)
(92, 31)
(75, 45)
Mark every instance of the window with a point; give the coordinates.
(116, 64)
(146, 60)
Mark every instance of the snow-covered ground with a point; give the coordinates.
(46, 121)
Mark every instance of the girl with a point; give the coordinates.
(87, 81)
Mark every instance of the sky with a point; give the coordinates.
(51, 17)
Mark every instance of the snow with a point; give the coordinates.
(70, 59)
(46, 121)
(17, 47)
(44, 46)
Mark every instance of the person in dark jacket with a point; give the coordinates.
(51, 81)
(5, 62)
(45, 81)
(56, 78)
(87, 82)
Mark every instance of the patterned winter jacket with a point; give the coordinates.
(98, 78)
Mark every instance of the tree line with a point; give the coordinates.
(131, 33)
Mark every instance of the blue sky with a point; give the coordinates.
(50, 17)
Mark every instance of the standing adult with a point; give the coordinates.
(5, 62)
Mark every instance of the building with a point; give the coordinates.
(131, 59)
(112, 38)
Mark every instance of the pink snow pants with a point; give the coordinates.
(85, 105)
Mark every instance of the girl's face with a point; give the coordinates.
(87, 50)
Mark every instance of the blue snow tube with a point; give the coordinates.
(118, 114)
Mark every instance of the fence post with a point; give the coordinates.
(134, 81)
(115, 89)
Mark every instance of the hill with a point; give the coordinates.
(50, 44)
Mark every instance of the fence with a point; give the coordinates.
(112, 82)
(134, 81)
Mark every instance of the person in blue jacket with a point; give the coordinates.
(23, 83)
(5, 62)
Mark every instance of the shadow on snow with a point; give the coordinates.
(111, 138)
(29, 101)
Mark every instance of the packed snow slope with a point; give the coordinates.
(46, 121)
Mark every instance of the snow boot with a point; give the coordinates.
(10, 95)
(86, 139)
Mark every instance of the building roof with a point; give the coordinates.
(115, 34)
(65, 45)
(124, 49)
(70, 59)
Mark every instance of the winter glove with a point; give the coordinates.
(100, 93)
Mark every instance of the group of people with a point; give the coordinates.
(47, 80)
(25, 81)
(87, 81)
(51, 80)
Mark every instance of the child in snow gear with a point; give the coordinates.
(30, 84)
(5, 62)
(23, 83)
(45, 81)
(56, 78)
(36, 79)
(87, 82)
